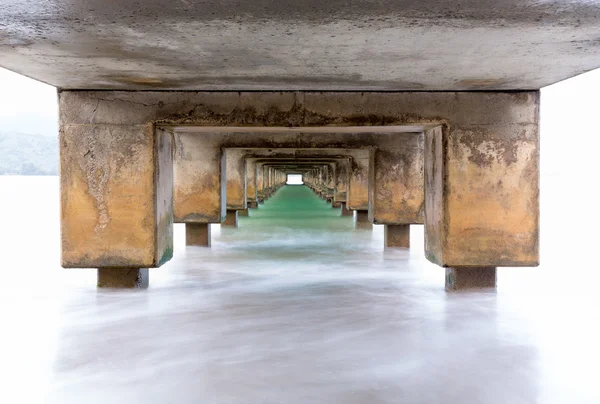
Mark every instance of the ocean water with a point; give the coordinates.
(296, 306)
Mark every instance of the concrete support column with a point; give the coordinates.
(482, 188)
(251, 192)
(397, 236)
(471, 278)
(330, 186)
(116, 183)
(396, 183)
(243, 212)
(200, 179)
(123, 278)
(325, 182)
(265, 183)
(340, 191)
(315, 182)
(236, 179)
(336, 204)
(362, 219)
(230, 219)
(260, 182)
(346, 211)
(197, 234)
(358, 182)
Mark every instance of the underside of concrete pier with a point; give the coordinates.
(408, 113)
(338, 45)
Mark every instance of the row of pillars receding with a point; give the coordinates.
(326, 178)
(466, 165)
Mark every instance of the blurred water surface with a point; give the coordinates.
(294, 306)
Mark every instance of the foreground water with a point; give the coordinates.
(294, 306)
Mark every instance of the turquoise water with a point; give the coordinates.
(296, 206)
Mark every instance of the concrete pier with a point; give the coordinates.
(231, 219)
(465, 278)
(430, 141)
(197, 234)
(397, 236)
(123, 278)
(362, 219)
(243, 212)
(346, 211)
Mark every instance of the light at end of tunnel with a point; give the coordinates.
(294, 179)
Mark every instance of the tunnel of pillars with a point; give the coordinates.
(464, 165)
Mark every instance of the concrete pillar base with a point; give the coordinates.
(397, 236)
(243, 212)
(362, 220)
(336, 204)
(230, 219)
(329, 199)
(346, 211)
(123, 278)
(197, 234)
(464, 278)
(252, 204)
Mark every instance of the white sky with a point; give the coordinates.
(27, 106)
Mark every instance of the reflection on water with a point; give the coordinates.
(294, 306)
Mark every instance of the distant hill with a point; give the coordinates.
(25, 154)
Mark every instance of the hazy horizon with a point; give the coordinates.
(28, 106)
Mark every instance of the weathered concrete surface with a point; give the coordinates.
(370, 45)
(396, 190)
(251, 174)
(482, 180)
(260, 178)
(197, 234)
(342, 178)
(123, 278)
(346, 211)
(200, 180)
(397, 236)
(362, 220)
(434, 202)
(236, 178)
(231, 219)
(470, 278)
(116, 196)
(243, 212)
(164, 180)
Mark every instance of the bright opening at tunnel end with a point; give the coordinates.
(294, 179)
